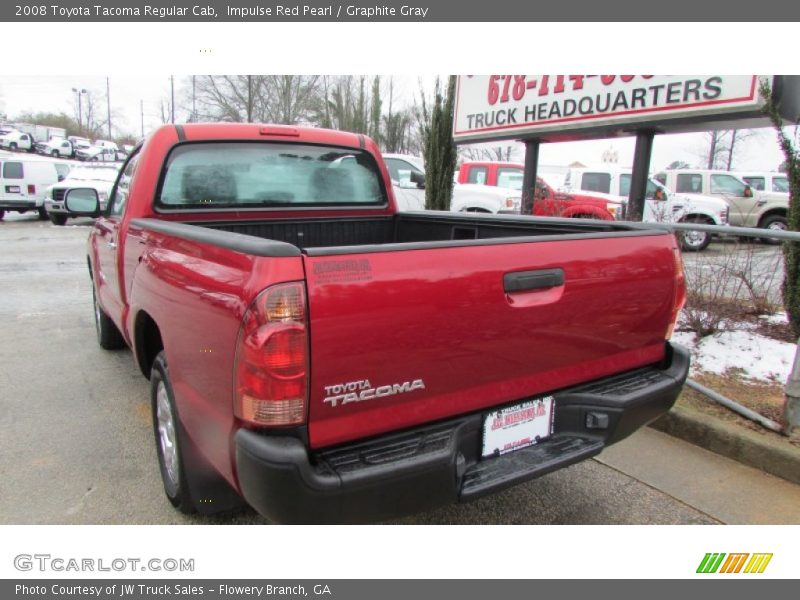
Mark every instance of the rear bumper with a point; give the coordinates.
(438, 464)
(31, 204)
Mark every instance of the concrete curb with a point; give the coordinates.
(732, 441)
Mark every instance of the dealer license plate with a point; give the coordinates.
(517, 426)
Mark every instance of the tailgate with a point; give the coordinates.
(403, 337)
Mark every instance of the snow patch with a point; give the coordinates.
(757, 357)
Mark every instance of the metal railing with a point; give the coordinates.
(791, 389)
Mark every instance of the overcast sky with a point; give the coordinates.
(43, 93)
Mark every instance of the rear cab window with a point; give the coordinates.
(689, 183)
(214, 175)
(780, 184)
(477, 175)
(596, 182)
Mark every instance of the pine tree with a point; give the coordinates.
(791, 250)
(439, 148)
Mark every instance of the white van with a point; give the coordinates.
(661, 204)
(24, 183)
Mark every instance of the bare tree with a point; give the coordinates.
(289, 99)
(720, 148)
(503, 153)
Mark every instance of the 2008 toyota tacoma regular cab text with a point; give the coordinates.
(328, 359)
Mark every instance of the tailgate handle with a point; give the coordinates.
(524, 281)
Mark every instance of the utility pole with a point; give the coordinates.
(141, 112)
(172, 92)
(249, 98)
(108, 105)
(78, 93)
(194, 105)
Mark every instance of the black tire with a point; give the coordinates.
(190, 484)
(13, 146)
(2, 214)
(55, 154)
(774, 222)
(108, 336)
(42, 213)
(168, 436)
(57, 219)
(695, 241)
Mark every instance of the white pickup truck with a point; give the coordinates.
(17, 140)
(408, 179)
(661, 204)
(58, 148)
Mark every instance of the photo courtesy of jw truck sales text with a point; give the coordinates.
(293, 299)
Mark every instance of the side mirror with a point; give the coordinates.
(418, 179)
(82, 202)
(659, 194)
(542, 192)
(748, 191)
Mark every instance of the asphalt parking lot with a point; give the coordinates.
(78, 445)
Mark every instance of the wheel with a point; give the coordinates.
(57, 219)
(166, 428)
(695, 241)
(55, 154)
(774, 223)
(190, 484)
(42, 213)
(108, 336)
(2, 214)
(13, 146)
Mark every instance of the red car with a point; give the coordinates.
(324, 358)
(547, 201)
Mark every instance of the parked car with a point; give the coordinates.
(661, 205)
(548, 202)
(24, 183)
(324, 358)
(17, 140)
(59, 148)
(748, 208)
(766, 182)
(100, 178)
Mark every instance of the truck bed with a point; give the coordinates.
(320, 236)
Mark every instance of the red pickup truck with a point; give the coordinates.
(327, 359)
(547, 201)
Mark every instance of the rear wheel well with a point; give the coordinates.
(147, 341)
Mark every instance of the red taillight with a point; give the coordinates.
(679, 298)
(272, 359)
(31, 188)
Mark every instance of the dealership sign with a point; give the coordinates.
(518, 106)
